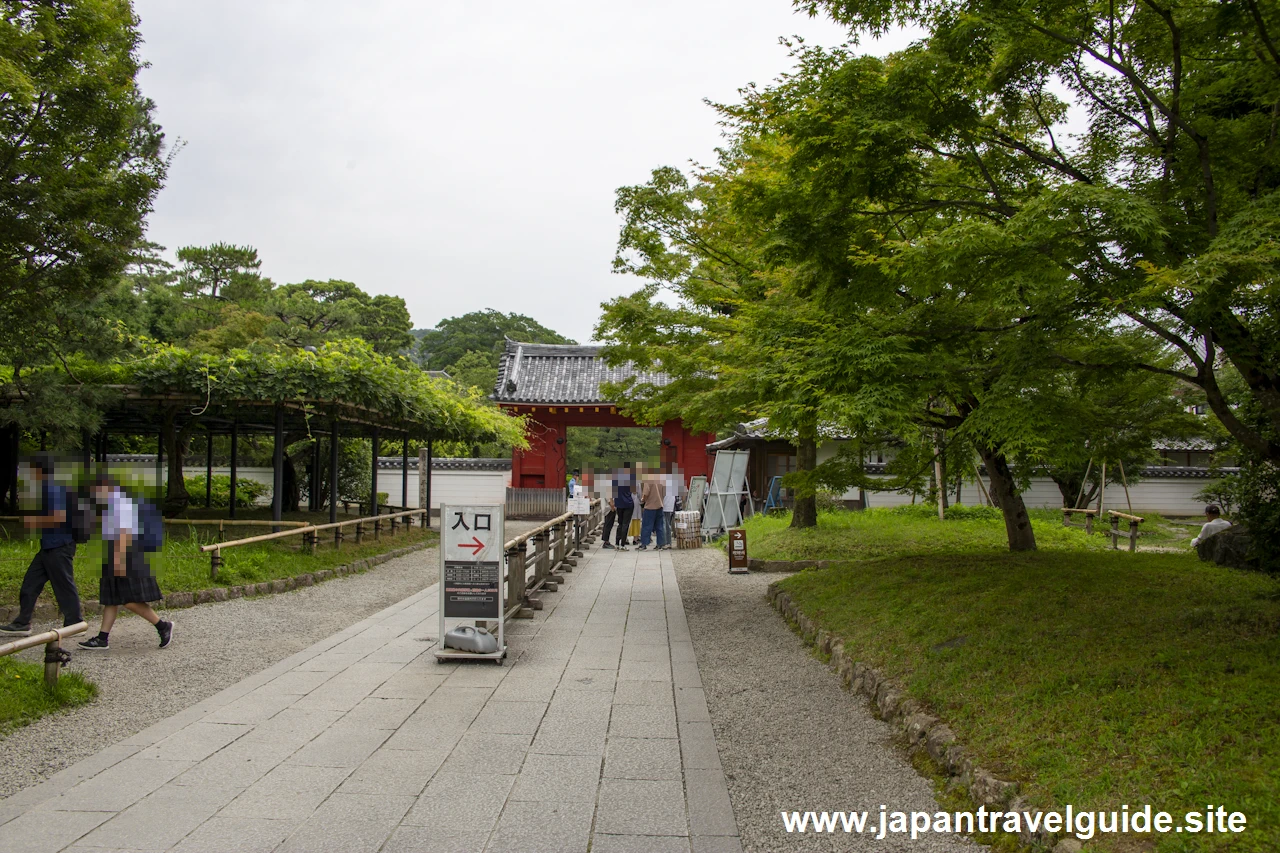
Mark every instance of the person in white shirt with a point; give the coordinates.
(127, 580)
(671, 480)
(1214, 523)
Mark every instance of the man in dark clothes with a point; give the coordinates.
(54, 563)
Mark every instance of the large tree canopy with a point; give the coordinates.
(80, 164)
(480, 331)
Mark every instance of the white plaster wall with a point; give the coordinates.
(446, 486)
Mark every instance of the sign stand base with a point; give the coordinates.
(443, 655)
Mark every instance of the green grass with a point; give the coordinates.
(1095, 678)
(24, 697)
(181, 567)
(917, 530)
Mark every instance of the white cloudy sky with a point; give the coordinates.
(462, 155)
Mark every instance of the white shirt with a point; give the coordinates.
(1210, 528)
(121, 516)
(672, 483)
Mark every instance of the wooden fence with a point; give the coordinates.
(54, 656)
(536, 503)
(539, 558)
(310, 534)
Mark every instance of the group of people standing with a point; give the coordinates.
(129, 527)
(658, 492)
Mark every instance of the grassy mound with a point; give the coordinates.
(1095, 678)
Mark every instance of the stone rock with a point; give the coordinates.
(918, 726)
(958, 764)
(887, 700)
(1229, 547)
(219, 593)
(179, 599)
(307, 579)
(323, 575)
(291, 583)
(824, 641)
(279, 586)
(1069, 845)
(235, 592)
(936, 742)
(987, 789)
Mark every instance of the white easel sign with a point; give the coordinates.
(471, 582)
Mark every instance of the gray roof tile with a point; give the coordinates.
(560, 373)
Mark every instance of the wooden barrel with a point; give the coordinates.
(688, 529)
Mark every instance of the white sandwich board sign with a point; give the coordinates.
(471, 573)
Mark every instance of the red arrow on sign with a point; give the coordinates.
(475, 545)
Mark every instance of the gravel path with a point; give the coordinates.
(790, 737)
(214, 646)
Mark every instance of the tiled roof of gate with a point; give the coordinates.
(560, 373)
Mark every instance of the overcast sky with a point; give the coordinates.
(462, 155)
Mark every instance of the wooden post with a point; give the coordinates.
(359, 532)
(52, 662)
(404, 477)
(1102, 495)
(1115, 533)
(515, 576)
(1088, 469)
(373, 485)
(313, 499)
(277, 465)
(1125, 482)
(215, 563)
(235, 435)
(1066, 518)
(333, 479)
(426, 519)
(160, 467)
(208, 468)
(1088, 523)
(1133, 536)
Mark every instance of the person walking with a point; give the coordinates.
(127, 580)
(54, 563)
(625, 502)
(651, 494)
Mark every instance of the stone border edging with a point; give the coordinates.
(921, 730)
(789, 565)
(178, 600)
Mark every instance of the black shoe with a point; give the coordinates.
(607, 545)
(94, 644)
(17, 629)
(643, 548)
(165, 630)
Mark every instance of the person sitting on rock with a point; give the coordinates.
(1214, 523)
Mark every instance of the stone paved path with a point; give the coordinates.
(595, 735)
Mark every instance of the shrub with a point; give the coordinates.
(247, 491)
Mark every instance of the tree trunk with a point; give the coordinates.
(805, 513)
(176, 498)
(1004, 492)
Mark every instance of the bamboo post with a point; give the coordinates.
(1088, 469)
(1102, 495)
(215, 563)
(982, 488)
(359, 532)
(52, 662)
(1125, 482)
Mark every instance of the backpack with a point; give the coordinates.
(82, 515)
(151, 527)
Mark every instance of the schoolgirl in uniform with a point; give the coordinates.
(127, 580)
